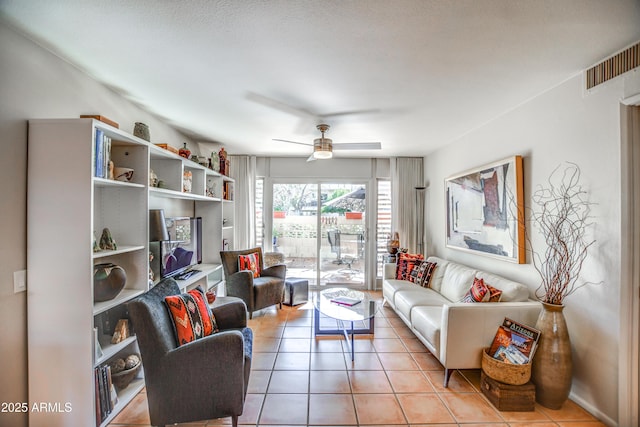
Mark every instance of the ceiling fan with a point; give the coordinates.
(323, 147)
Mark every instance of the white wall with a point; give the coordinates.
(563, 124)
(36, 84)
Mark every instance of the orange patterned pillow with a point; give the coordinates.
(479, 292)
(191, 316)
(250, 262)
(495, 294)
(406, 263)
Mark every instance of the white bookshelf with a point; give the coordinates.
(67, 208)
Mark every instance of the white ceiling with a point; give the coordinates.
(420, 72)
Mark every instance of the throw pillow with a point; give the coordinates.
(191, 316)
(425, 271)
(250, 262)
(413, 276)
(477, 293)
(406, 263)
(495, 294)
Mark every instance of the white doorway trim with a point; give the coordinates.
(629, 355)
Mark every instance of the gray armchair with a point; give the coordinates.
(201, 380)
(259, 292)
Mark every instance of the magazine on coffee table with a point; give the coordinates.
(346, 301)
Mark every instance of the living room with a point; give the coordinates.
(561, 122)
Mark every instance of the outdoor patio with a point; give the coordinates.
(332, 273)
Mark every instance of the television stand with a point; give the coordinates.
(187, 274)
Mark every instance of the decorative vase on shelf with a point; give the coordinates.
(184, 151)
(141, 130)
(108, 280)
(393, 243)
(552, 367)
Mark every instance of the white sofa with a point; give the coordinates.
(454, 332)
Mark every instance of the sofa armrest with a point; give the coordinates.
(389, 270)
(230, 315)
(278, 270)
(467, 328)
(240, 284)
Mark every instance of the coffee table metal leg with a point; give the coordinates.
(342, 330)
(353, 347)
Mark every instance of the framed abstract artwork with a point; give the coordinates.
(485, 210)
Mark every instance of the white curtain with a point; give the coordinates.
(243, 170)
(407, 173)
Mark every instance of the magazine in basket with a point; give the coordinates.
(514, 342)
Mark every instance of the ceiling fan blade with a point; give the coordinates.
(311, 158)
(349, 113)
(358, 146)
(293, 142)
(278, 105)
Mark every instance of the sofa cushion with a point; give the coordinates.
(511, 291)
(456, 281)
(427, 321)
(406, 299)
(391, 286)
(438, 272)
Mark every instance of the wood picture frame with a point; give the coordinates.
(485, 210)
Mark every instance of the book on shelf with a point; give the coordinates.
(106, 396)
(99, 154)
(514, 342)
(348, 301)
(102, 154)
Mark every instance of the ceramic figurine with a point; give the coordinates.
(184, 151)
(153, 178)
(222, 154)
(96, 248)
(151, 275)
(111, 168)
(107, 242)
(215, 161)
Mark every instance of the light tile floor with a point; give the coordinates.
(299, 380)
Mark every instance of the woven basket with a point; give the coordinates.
(507, 373)
(123, 378)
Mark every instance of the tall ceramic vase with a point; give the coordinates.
(552, 366)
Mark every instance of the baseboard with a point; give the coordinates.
(593, 410)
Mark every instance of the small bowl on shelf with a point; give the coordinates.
(123, 378)
(122, 174)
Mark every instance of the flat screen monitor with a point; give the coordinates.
(183, 249)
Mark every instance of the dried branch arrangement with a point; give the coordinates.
(561, 213)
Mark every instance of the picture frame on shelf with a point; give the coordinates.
(485, 210)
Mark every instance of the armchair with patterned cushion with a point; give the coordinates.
(248, 279)
(198, 380)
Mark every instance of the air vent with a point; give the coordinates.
(618, 64)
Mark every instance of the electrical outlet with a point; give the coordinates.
(19, 281)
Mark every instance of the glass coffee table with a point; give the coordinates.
(346, 315)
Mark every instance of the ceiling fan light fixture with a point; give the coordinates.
(322, 148)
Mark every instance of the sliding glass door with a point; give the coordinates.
(321, 230)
